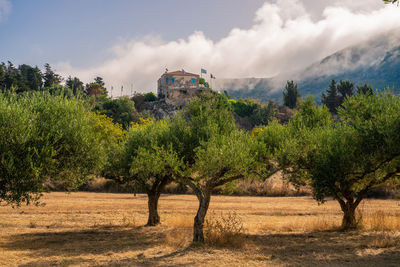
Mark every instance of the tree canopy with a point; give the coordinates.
(344, 159)
(46, 138)
(122, 110)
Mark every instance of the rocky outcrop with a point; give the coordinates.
(161, 110)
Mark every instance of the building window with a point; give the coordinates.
(166, 79)
(172, 80)
(193, 80)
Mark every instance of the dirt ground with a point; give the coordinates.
(96, 229)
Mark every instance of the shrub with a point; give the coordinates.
(225, 231)
(150, 97)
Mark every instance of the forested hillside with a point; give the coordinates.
(375, 62)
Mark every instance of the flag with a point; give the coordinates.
(204, 71)
(122, 88)
(212, 76)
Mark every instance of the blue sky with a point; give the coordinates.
(82, 32)
(131, 42)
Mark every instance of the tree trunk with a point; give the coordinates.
(154, 218)
(349, 215)
(204, 201)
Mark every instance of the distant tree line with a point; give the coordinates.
(337, 93)
(25, 78)
(333, 98)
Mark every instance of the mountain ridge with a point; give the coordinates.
(376, 62)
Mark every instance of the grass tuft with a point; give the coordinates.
(224, 231)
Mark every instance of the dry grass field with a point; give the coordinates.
(95, 229)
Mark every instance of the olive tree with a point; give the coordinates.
(222, 159)
(213, 151)
(346, 158)
(45, 138)
(147, 159)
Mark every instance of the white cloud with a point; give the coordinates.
(285, 37)
(5, 9)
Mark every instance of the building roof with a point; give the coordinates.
(180, 73)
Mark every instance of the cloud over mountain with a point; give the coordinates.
(286, 36)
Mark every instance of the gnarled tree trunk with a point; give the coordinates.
(204, 201)
(349, 207)
(153, 195)
(152, 202)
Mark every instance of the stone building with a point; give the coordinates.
(176, 87)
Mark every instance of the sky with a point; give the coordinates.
(130, 43)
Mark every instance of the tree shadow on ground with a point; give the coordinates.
(130, 247)
(94, 241)
(70, 247)
(328, 248)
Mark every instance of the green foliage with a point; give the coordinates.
(148, 154)
(75, 85)
(50, 77)
(263, 114)
(122, 110)
(242, 107)
(309, 116)
(140, 101)
(337, 94)
(24, 78)
(99, 81)
(272, 137)
(150, 97)
(145, 156)
(331, 99)
(291, 94)
(59, 90)
(224, 158)
(42, 138)
(29, 79)
(155, 165)
(365, 89)
(345, 89)
(257, 114)
(202, 119)
(346, 158)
